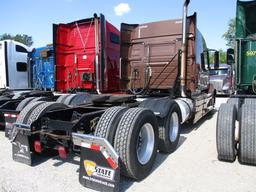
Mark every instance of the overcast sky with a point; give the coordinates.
(35, 17)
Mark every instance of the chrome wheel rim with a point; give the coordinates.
(145, 143)
(174, 127)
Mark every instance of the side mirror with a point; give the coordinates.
(216, 59)
(230, 56)
(202, 62)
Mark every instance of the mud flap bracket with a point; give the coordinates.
(99, 163)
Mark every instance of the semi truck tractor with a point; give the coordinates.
(84, 57)
(222, 79)
(13, 65)
(236, 133)
(43, 70)
(15, 81)
(87, 55)
(164, 82)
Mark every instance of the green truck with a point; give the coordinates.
(236, 121)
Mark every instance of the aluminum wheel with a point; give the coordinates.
(174, 127)
(145, 143)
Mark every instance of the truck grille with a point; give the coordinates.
(217, 85)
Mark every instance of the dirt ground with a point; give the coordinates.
(192, 167)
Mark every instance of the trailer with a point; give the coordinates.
(236, 133)
(43, 70)
(166, 84)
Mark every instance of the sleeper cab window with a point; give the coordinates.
(21, 67)
(21, 49)
(114, 38)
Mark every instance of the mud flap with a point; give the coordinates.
(20, 144)
(99, 163)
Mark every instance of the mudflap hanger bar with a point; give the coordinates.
(20, 143)
(19, 128)
(99, 163)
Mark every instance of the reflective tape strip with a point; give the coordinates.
(105, 154)
(96, 147)
(86, 145)
(91, 146)
(10, 115)
(109, 159)
(111, 162)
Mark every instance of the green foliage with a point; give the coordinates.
(25, 39)
(229, 35)
(222, 55)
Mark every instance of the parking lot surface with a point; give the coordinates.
(192, 167)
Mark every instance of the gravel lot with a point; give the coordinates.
(192, 167)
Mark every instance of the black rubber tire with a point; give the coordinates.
(23, 116)
(247, 135)
(236, 102)
(62, 98)
(249, 101)
(39, 99)
(25, 113)
(4, 98)
(81, 98)
(107, 125)
(41, 109)
(23, 103)
(225, 132)
(125, 144)
(68, 100)
(165, 143)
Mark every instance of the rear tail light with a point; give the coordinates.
(62, 152)
(38, 146)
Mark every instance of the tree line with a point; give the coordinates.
(25, 39)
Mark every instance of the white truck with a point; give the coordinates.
(14, 70)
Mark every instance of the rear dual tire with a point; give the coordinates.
(169, 130)
(136, 142)
(226, 144)
(134, 135)
(247, 135)
(29, 100)
(107, 125)
(225, 132)
(75, 99)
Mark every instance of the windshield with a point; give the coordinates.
(219, 72)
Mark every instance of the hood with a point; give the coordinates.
(218, 77)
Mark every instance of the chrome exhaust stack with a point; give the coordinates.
(184, 49)
(96, 24)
